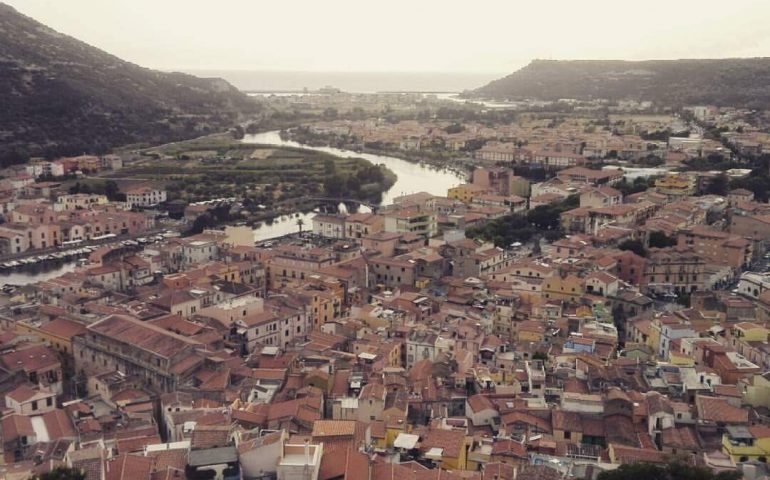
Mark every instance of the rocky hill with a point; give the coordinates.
(60, 96)
(740, 82)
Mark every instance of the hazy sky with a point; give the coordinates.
(405, 35)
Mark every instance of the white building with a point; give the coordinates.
(145, 197)
(329, 226)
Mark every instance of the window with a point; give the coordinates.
(34, 405)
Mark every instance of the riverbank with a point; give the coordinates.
(411, 177)
(462, 165)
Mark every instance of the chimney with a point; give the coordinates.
(307, 452)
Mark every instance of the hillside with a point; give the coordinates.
(60, 96)
(734, 82)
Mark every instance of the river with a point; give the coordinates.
(37, 275)
(412, 178)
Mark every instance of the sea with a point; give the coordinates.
(353, 82)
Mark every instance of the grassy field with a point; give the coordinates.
(218, 166)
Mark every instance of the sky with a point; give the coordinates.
(480, 36)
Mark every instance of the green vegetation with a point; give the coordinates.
(758, 180)
(542, 221)
(671, 83)
(108, 188)
(215, 216)
(640, 184)
(660, 240)
(61, 96)
(719, 185)
(714, 161)
(635, 246)
(454, 128)
(674, 470)
(61, 473)
(218, 166)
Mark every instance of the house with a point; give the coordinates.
(481, 411)
(447, 449)
(329, 226)
(145, 196)
(359, 225)
(673, 270)
(39, 364)
(28, 400)
(717, 246)
(583, 175)
(371, 402)
(598, 197)
(739, 196)
(747, 443)
(602, 283)
(501, 180)
(410, 220)
(260, 456)
(18, 436)
(466, 192)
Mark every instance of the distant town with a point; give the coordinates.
(523, 290)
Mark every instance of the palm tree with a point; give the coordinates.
(300, 223)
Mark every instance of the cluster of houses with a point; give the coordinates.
(387, 344)
(550, 145)
(37, 168)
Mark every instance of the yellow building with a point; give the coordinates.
(57, 333)
(465, 192)
(563, 288)
(756, 390)
(676, 184)
(393, 427)
(676, 358)
(745, 444)
(750, 332)
(447, 448)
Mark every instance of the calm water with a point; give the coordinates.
(412, 178)
(355, 82)
(25, 278)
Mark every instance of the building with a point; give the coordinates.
(600, 197)
(717, 246)
(329, 226)
(501, 180)
(126, 344)
(673, 271)
(145, 196)
(466, 192)
(676, 185)
(410, 220)
(582, 175)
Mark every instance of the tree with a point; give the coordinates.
(540, 356)
(61, 473)
(634, 246)
(454, 128)
(112, 191)
(675, 469)
(719, 185)
(329, 113)
(660, 240)
(300, 224)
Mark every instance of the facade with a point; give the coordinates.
(413, 221)
(329, 226)
(145, 196)
(123, 343)
(672, 271)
